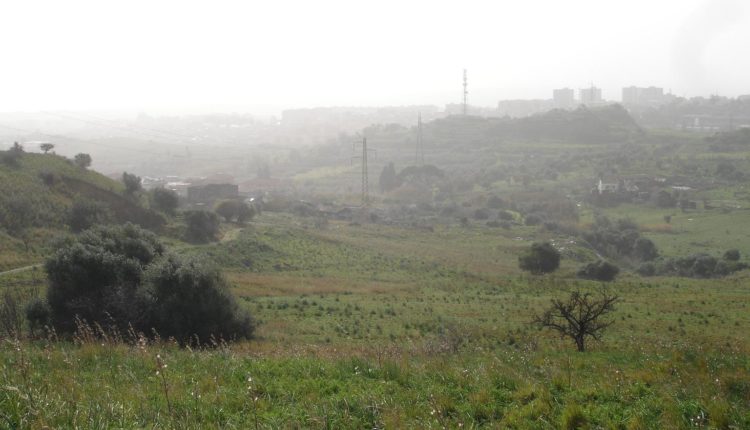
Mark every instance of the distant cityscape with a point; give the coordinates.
(649, 105)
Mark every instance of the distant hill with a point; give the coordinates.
(609, 124)
(37, 192)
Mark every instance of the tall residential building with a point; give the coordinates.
(563, 98)
(591, 95)
(642, 96)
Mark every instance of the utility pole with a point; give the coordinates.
(365, 178)
(466, 92)
(420, 144)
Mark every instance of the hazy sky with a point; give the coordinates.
(259, 56)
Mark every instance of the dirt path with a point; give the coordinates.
(20, 269)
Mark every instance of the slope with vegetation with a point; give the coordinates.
(45, 194)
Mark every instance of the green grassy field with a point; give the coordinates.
(388, 327)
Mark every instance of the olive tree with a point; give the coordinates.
(540, 258)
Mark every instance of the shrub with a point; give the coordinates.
(495, 202)
(132, 183)
(646, 269)
(12, 156)
(122, 276)
(645, 249)
(235, 209)
(732, 255)
(599, 271)
(190, 300)
(49, 178)
(533, 219)
(82, 160)
(96, 276)
(482, 214)
(85, 214)
(164, 200)
(202, 226)
(540, 258)
(37, 314)
(505, 216)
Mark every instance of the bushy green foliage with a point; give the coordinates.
(132, 183)
(698, 266)
(495, 202)
(600, 270)
(164, 200)
(540, 258)
(533, 219)
(37, 314)
(82, 160)
(619, 239)
(12, 156)
(235, 210)
(86, 213)
(732, 255)
(482, 214)
(202, 226)
(664, 199)
(190, 301)
(121, 276)
(97, 276)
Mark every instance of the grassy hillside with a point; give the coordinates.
(36, 194)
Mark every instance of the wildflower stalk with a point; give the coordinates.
(160, 371)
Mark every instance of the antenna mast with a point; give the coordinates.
(466, 91)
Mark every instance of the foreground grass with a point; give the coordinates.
(258, 386)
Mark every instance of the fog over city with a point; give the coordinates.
(262, 57)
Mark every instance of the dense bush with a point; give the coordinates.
(619, 239)
(540, 258)
(164, 200)
(97, 275)
(37, 314)
(732, 255)
(699, 266)
(190, 301)
(601, 270)
(87, 213)
(12, 156)
(235, 210)
(122, 277)
(82, 160)
(202, 226)
(132, 182)
(495, 202)
(482, 214)
(533, 219)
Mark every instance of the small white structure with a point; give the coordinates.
(607, 187)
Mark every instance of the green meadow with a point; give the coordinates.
(375, 326)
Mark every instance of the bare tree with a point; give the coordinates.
(578, 317)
